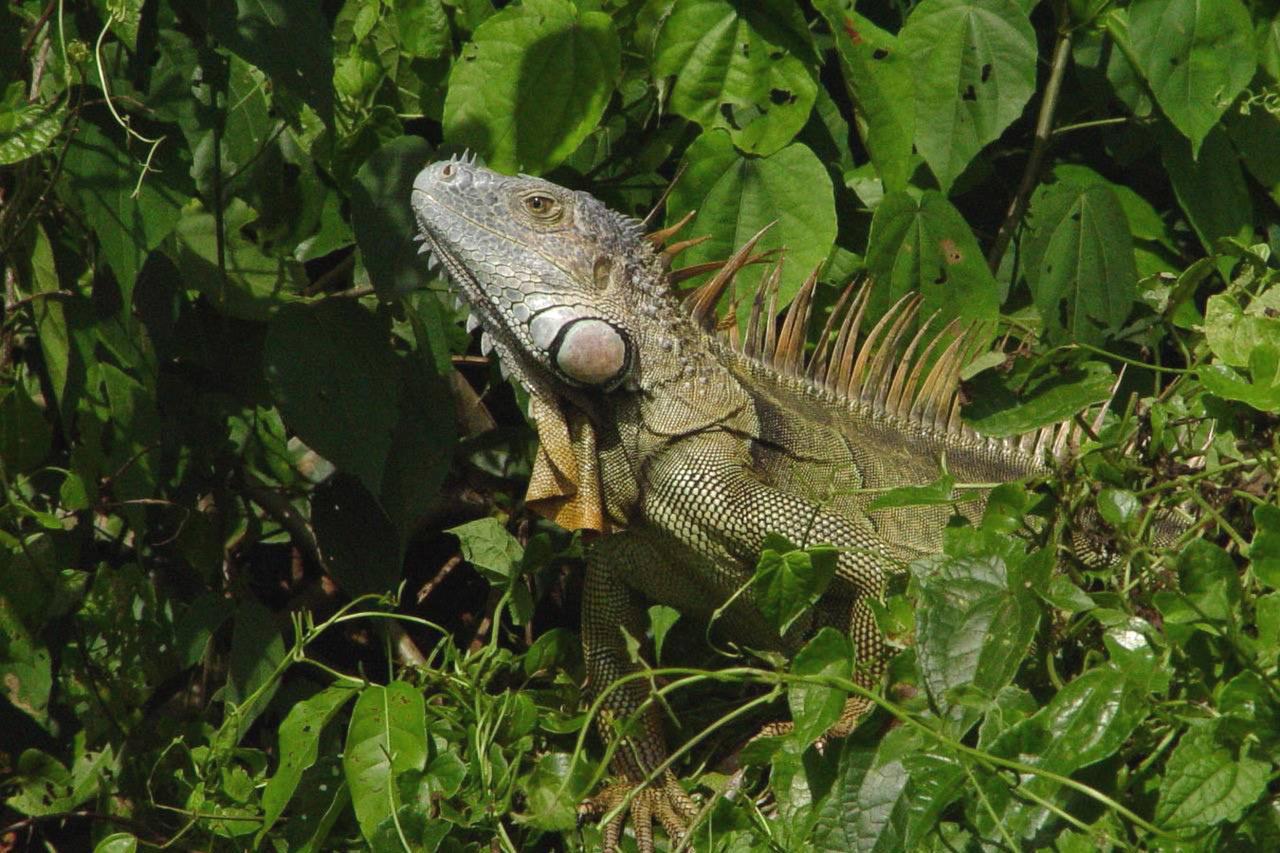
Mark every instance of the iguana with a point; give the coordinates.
(687, 445)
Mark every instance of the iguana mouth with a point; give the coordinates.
(465, 287)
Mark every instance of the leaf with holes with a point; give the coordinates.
(1079, 261)
(924, 246)
(387, 736)
(974, 73)
(1197, 55)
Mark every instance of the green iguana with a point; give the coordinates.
(688, 445)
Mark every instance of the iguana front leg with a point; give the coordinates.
(608, 604)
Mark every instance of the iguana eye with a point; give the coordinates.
(542, 206)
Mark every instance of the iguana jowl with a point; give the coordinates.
(687, 446)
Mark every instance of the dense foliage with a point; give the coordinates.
(266, 581)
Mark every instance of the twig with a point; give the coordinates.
(1040, 147)
(342, 267)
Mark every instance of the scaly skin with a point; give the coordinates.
(684, 450)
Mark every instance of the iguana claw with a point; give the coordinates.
(664, 800)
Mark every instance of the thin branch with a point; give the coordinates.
(1040, 147)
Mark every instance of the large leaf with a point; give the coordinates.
(1059, 397)
(383, 219)
(1197, 55)
(333, 375)
(532, 84)
(1212, 775)
(102, 177)
(879, 77)
(815, 707)
(299, 742)
(387, 736)
(924, 246)
(736, 196)
(975, 70)
(1079, 261)
(358, 540)
(1085, 722)
(728, 75)
(1210, 188)
(288, 39)
(973, 627)
(887, 795)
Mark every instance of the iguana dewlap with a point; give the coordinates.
(688, 446)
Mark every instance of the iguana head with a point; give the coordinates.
(556, 280)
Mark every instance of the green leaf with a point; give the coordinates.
(1253, 132)
(357, 539)
(973, 627)
(532, 84)
(736, 196)
(488, 546)
(1208, 578)
(728, 75)
(879, 77)
(1079, 261)
(975, 70)
(661, 618)
(51, 326)
(553, 803)
(815, 707)
(1210, 778)
(299, 742)
(924, 246)
(257, 650)
(1061, 397)
(1260, 388)
(1197, 55)
(382, 219)
(287, 39)
(1233, 333)
(332, 373)
(387, 736)
(1119, 507)
(102, 177)
(252, 285)
(26, 130)
(26, 670)
(887, 796)
(788, 581)
(117, 842)
(1210, 188)
(25, 435)
(1085, 722)
(1264, 551)
(941, 492)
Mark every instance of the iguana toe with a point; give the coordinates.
(664, 801)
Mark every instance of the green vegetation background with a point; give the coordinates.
(266, 581)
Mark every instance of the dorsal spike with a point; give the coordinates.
(868, 349)
(847, 342)
(662, 235)
(817, 365)
(881, 369)
(906, 368)
(795, 325)
(769, 344)
(662, 200)
(679, 246)
(939, 385)
(701, 303)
